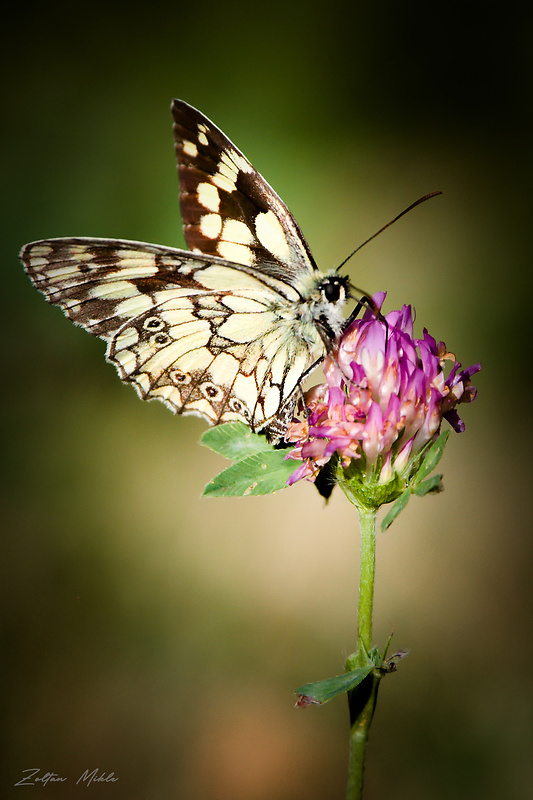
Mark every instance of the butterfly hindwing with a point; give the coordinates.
(192, 331)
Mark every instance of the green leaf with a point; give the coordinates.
(433, 484)
(322, 691)
(260, 473)
(258, 469)
(396, 509)
(234, 440)
(432, 457)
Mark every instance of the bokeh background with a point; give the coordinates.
(159, 636)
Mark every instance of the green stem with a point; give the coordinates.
(362, 707)
(362, 700)
(367, 524)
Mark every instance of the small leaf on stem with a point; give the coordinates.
(322, 691)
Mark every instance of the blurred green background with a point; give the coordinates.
(159, 636)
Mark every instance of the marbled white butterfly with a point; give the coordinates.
(226, 330)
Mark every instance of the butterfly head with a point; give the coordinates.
(326, 303)
(335, 288)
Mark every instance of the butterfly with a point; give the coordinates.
(226, 330)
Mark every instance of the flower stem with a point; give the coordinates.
(362, 700)
(367, 524)
(361, 713)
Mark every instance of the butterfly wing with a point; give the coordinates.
(226, 330)
(228, 208)
(204, 336)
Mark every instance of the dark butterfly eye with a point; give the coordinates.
(332, 291)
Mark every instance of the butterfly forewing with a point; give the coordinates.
(228, 208)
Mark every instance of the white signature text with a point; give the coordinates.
(32, 777)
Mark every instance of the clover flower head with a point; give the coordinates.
(384, 399)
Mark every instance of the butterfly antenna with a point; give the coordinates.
(409, 208)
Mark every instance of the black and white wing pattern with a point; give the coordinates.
(226, 330)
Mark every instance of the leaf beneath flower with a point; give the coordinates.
(261, 473)
(258, 469)
(433, 484)
(396, 509)
(234, 440)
